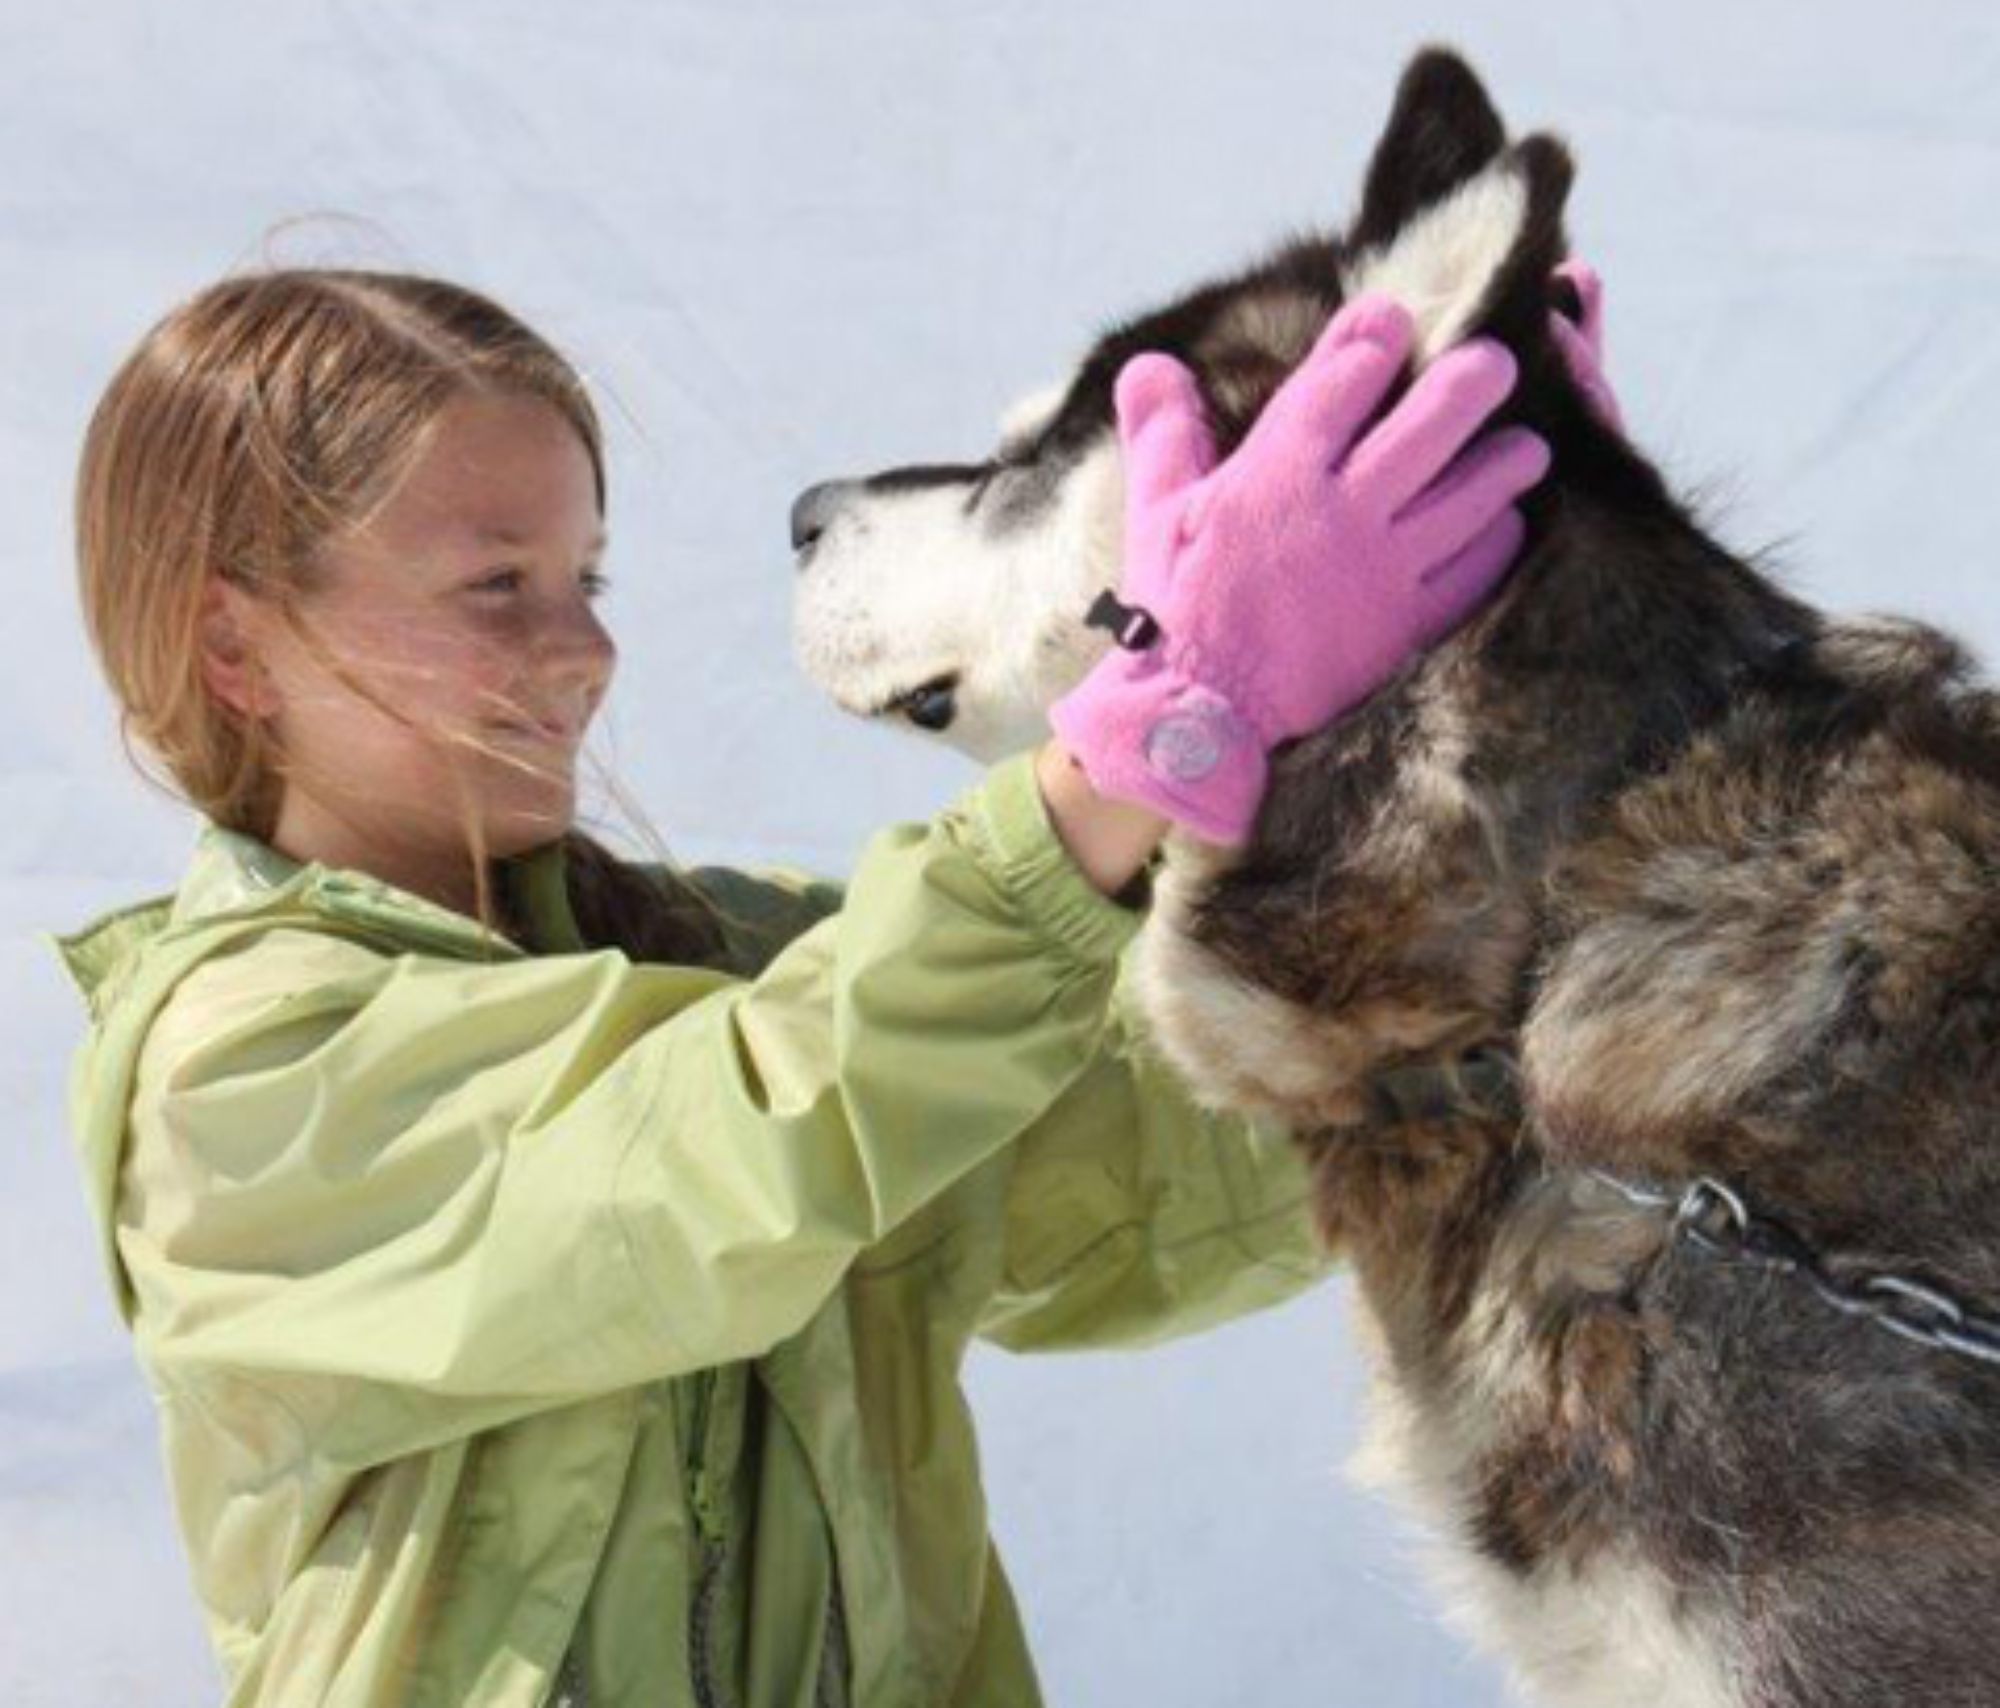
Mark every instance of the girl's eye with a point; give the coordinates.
(594, 583)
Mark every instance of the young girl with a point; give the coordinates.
(553, 1274)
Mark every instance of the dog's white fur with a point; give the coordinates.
(1614, 1637)
(900, 591)
(1439, 266)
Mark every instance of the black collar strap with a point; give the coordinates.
(1484, 1084)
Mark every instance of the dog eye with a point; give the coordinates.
(932, 706)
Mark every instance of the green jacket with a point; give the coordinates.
(545, 1327)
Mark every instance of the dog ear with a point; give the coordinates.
(1520, 294)
(1455, 224)
(1442, 132)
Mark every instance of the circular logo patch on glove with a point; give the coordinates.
(1185, 747)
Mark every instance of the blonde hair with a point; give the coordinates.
(256, 421)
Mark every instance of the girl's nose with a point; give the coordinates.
(578, 644)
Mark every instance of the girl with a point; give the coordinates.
(552, 1273)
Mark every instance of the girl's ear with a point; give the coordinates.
(230, 666)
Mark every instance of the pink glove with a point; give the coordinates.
(1264, 596)
(1582, 342)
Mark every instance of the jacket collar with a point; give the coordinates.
(231, 874)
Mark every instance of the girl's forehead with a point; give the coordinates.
(496, 471)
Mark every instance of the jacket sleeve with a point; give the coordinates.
(1133, 1214)
(405, 1198)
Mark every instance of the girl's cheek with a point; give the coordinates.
(455, 656)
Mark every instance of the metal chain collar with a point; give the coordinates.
(1484, 1083)
(1714, 1219)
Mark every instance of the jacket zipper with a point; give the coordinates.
(714, 1544)
(831, 1691)
(570, 1691)
(708, 1583)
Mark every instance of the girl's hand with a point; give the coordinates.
(1581, 341)
(1110, 840)
(1265, 595)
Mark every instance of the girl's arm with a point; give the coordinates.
(1131, 1215)
(1127, 1214)
(407, 1197)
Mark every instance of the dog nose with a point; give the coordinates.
(814, 508)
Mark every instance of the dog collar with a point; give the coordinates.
(1484, 1083)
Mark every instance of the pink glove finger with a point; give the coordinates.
(1462, 503)
(1584, 372)
(1163, 428)
(1580, 342)
(1457, 587)
(1374, 316)
(1582, 278)
(1433, 423)
(1316, 415)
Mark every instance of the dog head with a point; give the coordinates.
(1389, 902)
(950, 597)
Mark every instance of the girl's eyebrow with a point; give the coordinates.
(500, 536)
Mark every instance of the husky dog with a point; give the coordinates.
(1629, 967)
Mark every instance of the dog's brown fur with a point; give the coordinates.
(1725, 875)
(1722, 875)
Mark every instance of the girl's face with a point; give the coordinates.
(465, 606)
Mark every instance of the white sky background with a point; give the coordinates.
(794, 241)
